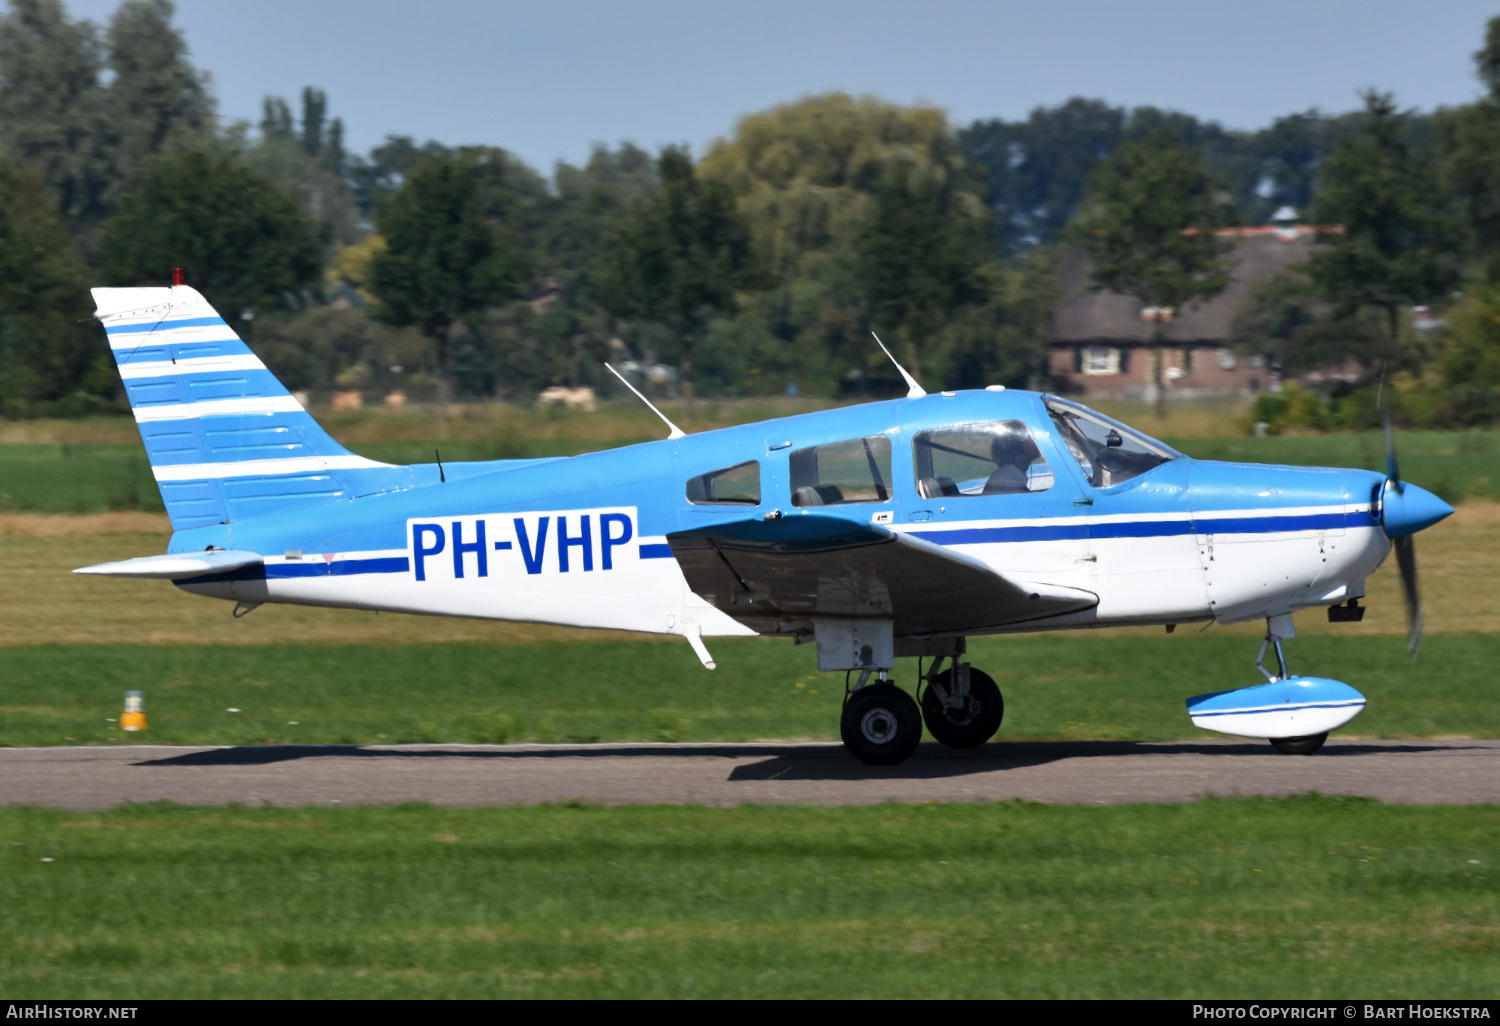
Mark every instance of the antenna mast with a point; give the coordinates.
(914, 391)
(676, 432)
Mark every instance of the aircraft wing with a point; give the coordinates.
(800, 566)
(175, 567)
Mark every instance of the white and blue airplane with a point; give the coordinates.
(884, 530)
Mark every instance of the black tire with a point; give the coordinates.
(881, 725)
(1299, 745)
(969, 727)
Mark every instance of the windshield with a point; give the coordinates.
(1108, 451)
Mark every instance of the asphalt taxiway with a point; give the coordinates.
(1103, 772)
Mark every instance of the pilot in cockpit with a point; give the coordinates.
(1012, 451)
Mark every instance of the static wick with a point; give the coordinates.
(676, 431)
(441, 476)
(914, 390)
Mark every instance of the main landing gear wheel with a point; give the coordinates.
(1299, 745)
(881, 724)
(967, 721)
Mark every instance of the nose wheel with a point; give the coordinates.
(1299, 745)
(1304, 745)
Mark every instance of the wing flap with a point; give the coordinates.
(804, 566)
(175, 567)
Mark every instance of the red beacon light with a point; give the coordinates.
(177, 276)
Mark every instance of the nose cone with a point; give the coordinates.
(1410, 510)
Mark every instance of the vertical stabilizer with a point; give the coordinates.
(225, 439)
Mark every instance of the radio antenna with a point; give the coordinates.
(914, 391)
(676, 432)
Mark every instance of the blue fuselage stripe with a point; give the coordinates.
(1275, 709)
(1146, 528)
(1271, 525)
(337, 568)
(657, 551)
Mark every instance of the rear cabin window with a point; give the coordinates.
(738, 485)
(858, 470)
(999, 458)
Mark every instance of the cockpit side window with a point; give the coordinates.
(738, 485)
(857, 470)
(1106, 450)
(999, 458)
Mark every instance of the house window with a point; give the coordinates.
(1227, 359)
(1100, 360)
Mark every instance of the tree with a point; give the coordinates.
(1036, 170)
(52, 108)
(275, 119)
(47, 350)
(920, 251)
(241, 241)
(1401, 238)
(443, 263)
(1471, 362)
(382, 173)
(1148, 226)
(574, 241)
(804, 176)
(1470, 139)
(679, 257)
(158, 101)
(308, 160)
(1284, 321)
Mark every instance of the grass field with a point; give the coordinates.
(1308, 898)
(1054, 686)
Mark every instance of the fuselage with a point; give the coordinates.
(582, 541)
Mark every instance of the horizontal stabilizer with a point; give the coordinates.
(818, 565)
(175, 567)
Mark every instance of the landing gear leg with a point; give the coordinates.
(962, 706)
(1278, 627)
(1260, 660)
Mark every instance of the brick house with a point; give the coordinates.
(1100, 343)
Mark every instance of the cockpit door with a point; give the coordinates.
(1140, 525)
(998, 490)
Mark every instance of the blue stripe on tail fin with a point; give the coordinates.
(226, 440)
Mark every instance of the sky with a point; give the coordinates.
(546, 80)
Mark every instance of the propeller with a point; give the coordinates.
(1405, 510)
(1406, 549)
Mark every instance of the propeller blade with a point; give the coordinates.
(1406, 559)
(1392, 470)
